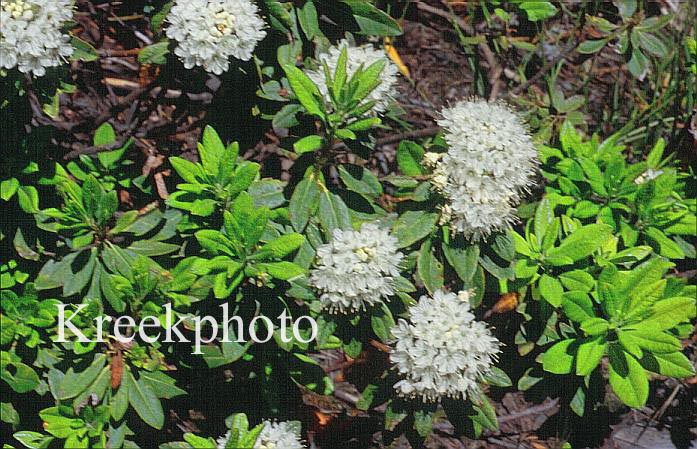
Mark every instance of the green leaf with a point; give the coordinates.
(657, 342)
(463, 260)
(104, 135)
(626, 8)
(371, 20)
(333, 213)
(595, 326)
(577, 280)
(211, 151)
(538, 10)
(307, 16)
(303, 203)
(627, 378)
(544, 215)
(360, 180)
(23, 380)
(381, 322)
(429, 269)
(119, 401)
(551, 290)
(652, 44)
(155, 53)
(577, 306)
(161, 384)
(589, 355)
(145, 402)
(653, 160)
(663, 245)
(582, 242)
(413, 226)
(308, 144)
(668, 313)
(8, 413)
(280, 247)
(674, 364)
(559, 359)
(409, 155)
(33, 440)
(498, 378)
(8, 188)
(28, 198)
(305, 90)
(73, 383)
(189, 171)
(267, 193)
(591, 46)
(82, 51)
(638, 64)
(281, 270)
(199, 442)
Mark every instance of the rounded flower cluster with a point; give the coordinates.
(274, 435)
(31, 36)
(444, 352)
(490, 161)
(356, 268)
(357, 56)
(209, 32)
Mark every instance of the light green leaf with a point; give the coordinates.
(582, 242)
(551, 290)
(589, 355)
(559, 359)
(308, 144)
(305, 90)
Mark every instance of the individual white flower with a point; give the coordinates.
(356, 268)
(221, 442)
(649, 175)
(209, 32)
(444, 351)
(278, 435)
(490, 161)
(357, 56)
(431, 159)
(31, 35)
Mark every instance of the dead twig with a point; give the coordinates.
(545, 68)
(529, 411)
(424, 132)
(495, 68)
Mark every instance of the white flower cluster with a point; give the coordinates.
(31, 36)
(490, 161)
(356, 268)
(274, 435)
(209, 32)
(445, 351)
(364, 55)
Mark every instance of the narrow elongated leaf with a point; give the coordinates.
(333, 213)
(304, 89)
(303, 203)
(145, 402)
